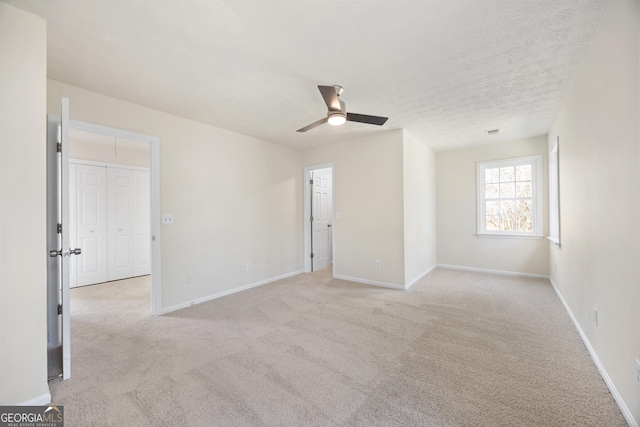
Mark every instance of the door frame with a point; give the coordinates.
(154, 172)
(307, 215)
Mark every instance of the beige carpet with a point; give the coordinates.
(457, 349)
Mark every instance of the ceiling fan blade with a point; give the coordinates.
(364, 118)
(313, 125)
(330, 97)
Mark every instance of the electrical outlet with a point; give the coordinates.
(377, 264)
(248, 267)
(638, 371)
(595, 316)
(189, 278)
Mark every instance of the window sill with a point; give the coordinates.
(510, 236)
(554, 240)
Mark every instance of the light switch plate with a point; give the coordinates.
(338, 216)
(167, 219)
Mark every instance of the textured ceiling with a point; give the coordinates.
(447, 71)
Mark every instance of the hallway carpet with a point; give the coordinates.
(457, 349)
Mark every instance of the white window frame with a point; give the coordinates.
(536, 197)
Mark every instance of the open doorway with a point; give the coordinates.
(319, 218)
(113, 203)
(110, 207)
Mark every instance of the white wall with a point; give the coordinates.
(368, 194)
(235, 199)
(23, 249)
(104, 153)
(456, 212)
(598, 262)
(384, 189)
(419, 182)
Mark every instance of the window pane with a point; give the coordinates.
(507, 207)
(491, 191)
(507, 174)
(523, 173)
(492, 208)
(508, 223)
(525, 224)
(523, 207)
(492, 223)
(508, 189)
(523, 189)
(491, 175)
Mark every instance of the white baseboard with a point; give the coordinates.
(228, 292)
(485, 270)
(41, 400)
(368, 282)
(420, 276)
(603, 372)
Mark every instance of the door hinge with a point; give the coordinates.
(312, 256)
(311, 219)
(59, 308)
(59, 147)
(311, 181)
(59, 228)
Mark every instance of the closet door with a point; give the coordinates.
(91, 224)
(142, 224)
(120, 190)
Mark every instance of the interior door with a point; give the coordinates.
(120, 186)
(142, 224)
(91, 224)
(58, 278)
(322, 213)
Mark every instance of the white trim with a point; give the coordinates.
(229, 292)
(156, 254)
(420, 276)
(554, 240)
(554, 192)
(369, 282)
(43, 399)
(489, 271)
(626, 413)
(307, 214)
(156, 222)
(509, 236)
(108, 165)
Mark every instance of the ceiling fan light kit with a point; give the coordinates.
(337, 111)
(337, 119)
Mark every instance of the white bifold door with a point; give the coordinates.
(128, 223)
(91, 224)
(112, 223)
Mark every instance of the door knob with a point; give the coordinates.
(53, 253)
(329, 225)
(76, 251)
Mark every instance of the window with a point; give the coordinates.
(554, 194)
(510, 197)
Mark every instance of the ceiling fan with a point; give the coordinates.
(337, 114)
